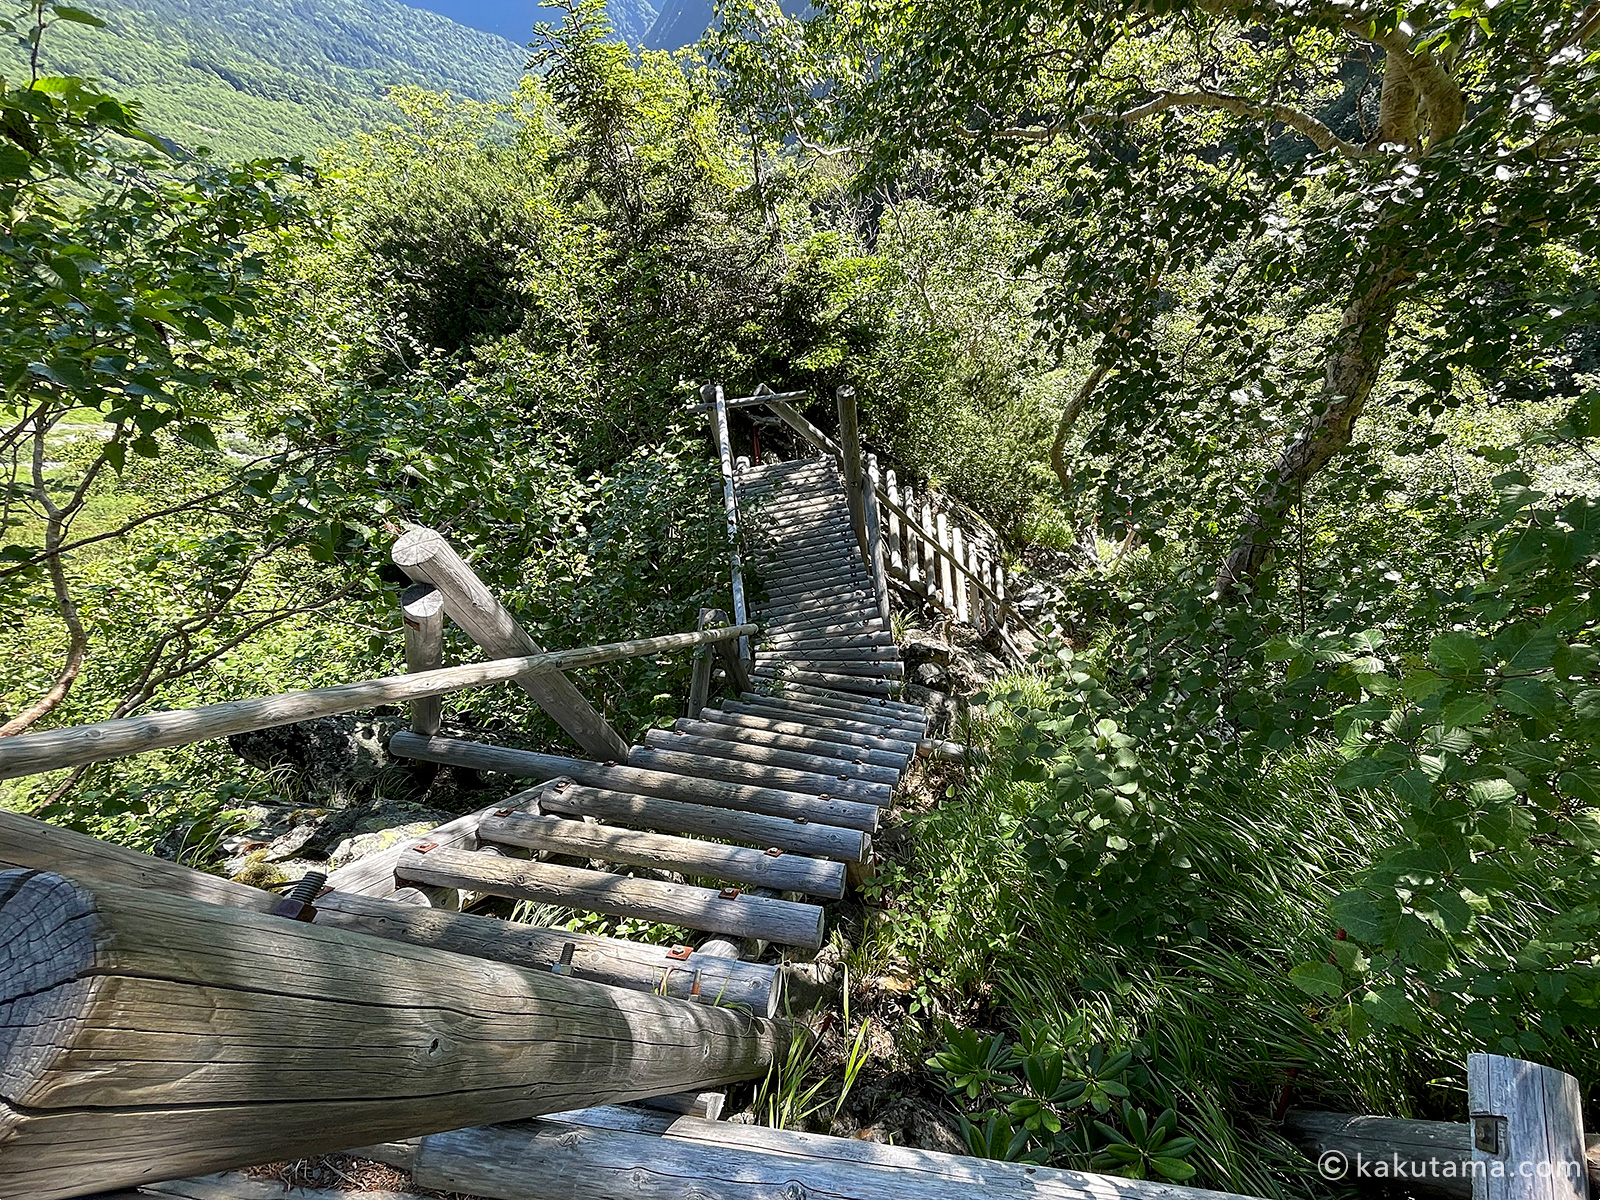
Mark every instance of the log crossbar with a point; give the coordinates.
(31, 753)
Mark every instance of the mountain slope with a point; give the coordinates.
(515, 19)
(254, 77)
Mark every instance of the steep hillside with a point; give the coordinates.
(276, 76)
(515, 19)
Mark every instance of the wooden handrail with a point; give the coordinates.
(31, 753)
(915, 526)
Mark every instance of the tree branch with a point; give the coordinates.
(1303, 123)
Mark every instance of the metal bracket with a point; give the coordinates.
(680, 953)
(424, 847)
(1487, 1134)
(774, 852)
(729, 893)
(504, 812)
(802, 820)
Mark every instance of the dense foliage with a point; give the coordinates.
(1264, 333)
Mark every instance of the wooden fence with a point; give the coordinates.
(909, 535)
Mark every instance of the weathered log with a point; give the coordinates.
(782, 871)
(757, 731)
(797, 836)
(712, 393)
(34, 845)
(146, 1035)
(814, 782)
(818, 723)
(847, 814)
(604, 1153)
(424, 555)
(823, 758)
(422, 616)
(729, 911)
(31, 753)
(1523, 1115)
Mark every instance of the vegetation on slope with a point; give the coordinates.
(1266, 335)
(283, 77)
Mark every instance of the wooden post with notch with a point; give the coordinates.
(850, 445)
(1527, 1131)
(713, 393)
(874, 525)
(424, 555)
(700, 678)
(422, 614)
(148, 1036)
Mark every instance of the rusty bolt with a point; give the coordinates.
(297, 904)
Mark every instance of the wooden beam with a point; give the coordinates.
(603, 1153)
(712, 393)
(876, 562)
(792, 418)
(1527, 1131)
(850, 445)
(699, 677)
(147, 1035)
(424, 555)
(34, 845)
(31, 753)
(422, 617)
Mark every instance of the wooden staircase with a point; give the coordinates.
(739, 821)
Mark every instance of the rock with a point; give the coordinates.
(371, 841)
(335, 759)
(930, 675)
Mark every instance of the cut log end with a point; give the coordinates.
(49, 946)
(416, 546)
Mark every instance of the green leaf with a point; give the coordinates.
(1454, 653)
(66, 12)
(1466, 710)
(1581, 783)
(1390, 1006)
(1318, 979)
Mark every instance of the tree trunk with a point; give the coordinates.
(1069, 418)
(1353, 363)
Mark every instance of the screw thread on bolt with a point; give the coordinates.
(306, 889)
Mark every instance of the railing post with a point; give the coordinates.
(425, 556)
(958, 557)
(730, 502)
(897, 558)
(874, 523)
(700, 678)
(422, 615)
(850, 444)
(731, 662)
(1527, 1131)
(150, 1036)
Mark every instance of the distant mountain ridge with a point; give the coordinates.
(254, 77)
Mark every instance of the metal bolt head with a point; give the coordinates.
(295, 910)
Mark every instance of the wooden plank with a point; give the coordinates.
(811, 782)
(755, 738)
(422, 618)
(879, 740)
(31, 753)
(426, 557)
(730, 911)
(34, 845)
(890, 653)
(737, 864)
(577, 1156)
(1527, 1131)
(872, 668)
(915, 714)
(822, 757)
(847, 814)
(147, 1035)
(818, 722)
(791, 835)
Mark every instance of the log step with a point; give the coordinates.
(819, 757)
(732, 912)
(800, 836)
(760, 775)
(816, 722)
(715, 793)
(688, 856)
(730, 715)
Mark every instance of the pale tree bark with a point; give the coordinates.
(1352, 366)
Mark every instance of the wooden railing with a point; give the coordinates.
(451, 588)
(904, 534)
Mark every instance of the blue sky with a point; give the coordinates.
(512, 19)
